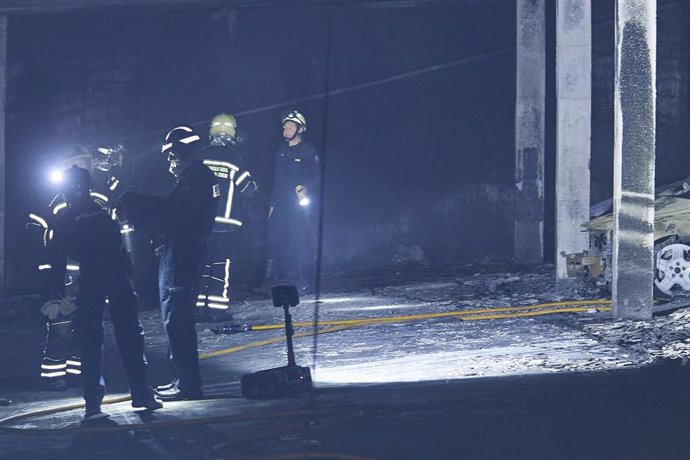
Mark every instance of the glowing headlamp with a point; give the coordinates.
(56, 176)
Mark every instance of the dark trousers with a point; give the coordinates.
(61, 352)
(291, 246)
(178, 293)
(94, 288)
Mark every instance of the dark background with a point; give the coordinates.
(412, 107)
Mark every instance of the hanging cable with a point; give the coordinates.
(322, 172)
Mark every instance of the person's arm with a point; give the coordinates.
(244, 181)
(245, 184)
(143, 211)
(57, 260)
(276, 184)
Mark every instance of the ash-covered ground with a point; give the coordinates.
(419, 347)
(440, 326)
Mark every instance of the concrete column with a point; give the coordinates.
(3, 105)
(573, 127)
(634, 156)
(529, 133)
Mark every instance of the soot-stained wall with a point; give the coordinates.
(412, 108)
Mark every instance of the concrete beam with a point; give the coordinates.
(634, 157)
(48, 6)
(529, 133)
(573, 128)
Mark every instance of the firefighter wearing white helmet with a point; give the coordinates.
(293, 212)
(183, 220)
(224, 157)
(295, 117)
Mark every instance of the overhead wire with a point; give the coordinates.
(347, 89)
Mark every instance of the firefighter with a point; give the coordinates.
(86, 233)
(183, 221)
(293, 212)
(226, 161)
(61, 366)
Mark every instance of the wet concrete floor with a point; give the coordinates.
(431, 383)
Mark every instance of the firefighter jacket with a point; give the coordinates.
(182, 221)
(230, 169)
(294, 166)
(86, 233)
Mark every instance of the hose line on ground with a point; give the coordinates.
(328, 327)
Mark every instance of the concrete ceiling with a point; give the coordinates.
(46, 6)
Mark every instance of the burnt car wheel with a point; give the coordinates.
(672, 270)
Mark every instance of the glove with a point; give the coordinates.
(53, 308)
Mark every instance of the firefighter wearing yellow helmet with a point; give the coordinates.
(223, 129)
(229, 236)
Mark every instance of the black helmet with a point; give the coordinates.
(76, 183)
(181, 141)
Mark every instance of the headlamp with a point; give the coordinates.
(56, 176)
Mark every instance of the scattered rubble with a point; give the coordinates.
(662, 337)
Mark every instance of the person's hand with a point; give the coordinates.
(53, 308)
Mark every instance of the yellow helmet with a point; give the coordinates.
(295, 117)
(223, 127)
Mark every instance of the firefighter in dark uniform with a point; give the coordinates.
(293, 213)
(183, 222)
(61, 366)
(223, 157)
(86, 233)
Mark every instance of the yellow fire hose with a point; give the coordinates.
(574, 306)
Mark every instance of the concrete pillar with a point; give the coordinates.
(573, 128)
(3, 105)
(634, 156)
(529, 133)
